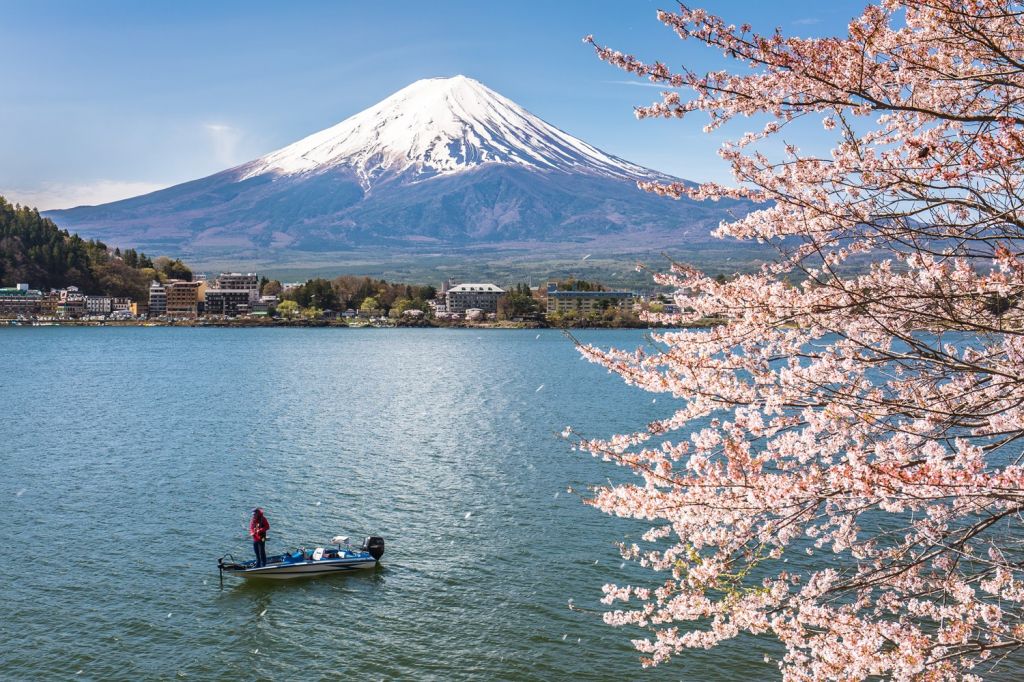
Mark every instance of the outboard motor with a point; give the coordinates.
(375, 546)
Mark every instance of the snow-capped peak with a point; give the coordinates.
(440, 126)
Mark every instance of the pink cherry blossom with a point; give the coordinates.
(843, 470)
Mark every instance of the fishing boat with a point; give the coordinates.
(306, 563)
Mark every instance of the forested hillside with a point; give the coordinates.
(34, 250)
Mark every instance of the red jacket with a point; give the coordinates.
(258, 527)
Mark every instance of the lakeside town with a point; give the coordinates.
(812, 470)
(247, 299)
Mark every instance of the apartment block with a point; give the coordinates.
(183, 298)
(585, 303)
(462, 297)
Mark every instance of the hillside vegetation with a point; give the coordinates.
(35, 250)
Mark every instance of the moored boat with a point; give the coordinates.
(307, 563)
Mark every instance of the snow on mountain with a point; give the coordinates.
(439, 126)
(443, 163)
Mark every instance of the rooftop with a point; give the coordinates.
(482, 287)
(589, 294)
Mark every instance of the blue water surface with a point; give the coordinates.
(131, 458)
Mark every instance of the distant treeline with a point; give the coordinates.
(34, 250)
(573, 284)
(349, 291)
(383, 297)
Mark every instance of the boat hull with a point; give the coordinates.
(302, 569)
(308, 562)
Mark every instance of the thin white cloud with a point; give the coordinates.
(51, 195)
(224, 139)
(224, 143)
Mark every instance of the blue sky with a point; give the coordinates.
(104, 99)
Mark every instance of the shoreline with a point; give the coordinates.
(341, 324)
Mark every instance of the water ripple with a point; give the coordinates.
(133, 456)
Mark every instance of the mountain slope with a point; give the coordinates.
(443, 161)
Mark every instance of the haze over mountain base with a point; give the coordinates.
(627, 269)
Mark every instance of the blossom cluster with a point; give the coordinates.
(843, 470)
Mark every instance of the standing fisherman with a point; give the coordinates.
(258, 528)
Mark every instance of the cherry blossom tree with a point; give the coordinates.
(843, 472)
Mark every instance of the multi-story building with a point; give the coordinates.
(71, 303)
(230, 302)
(98, 305)
(20, 301)
(239, 281)
(462, 297)
(183, 298)
(440, 304)
(48, 304)
(585, 303)
(265, 305)
(120, 304)
(157, 299)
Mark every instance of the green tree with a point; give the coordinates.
(272, 288)
(519, 302)
(316, 292)
(34, 250)
(178, 270)
(369, 305)
(287, 309)
(149, 275)
(573, 284)
(399, 307)
(173, 269)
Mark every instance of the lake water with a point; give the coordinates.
(131, 458)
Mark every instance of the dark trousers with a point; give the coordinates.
(260, 547)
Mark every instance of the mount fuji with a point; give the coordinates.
(443, 163)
